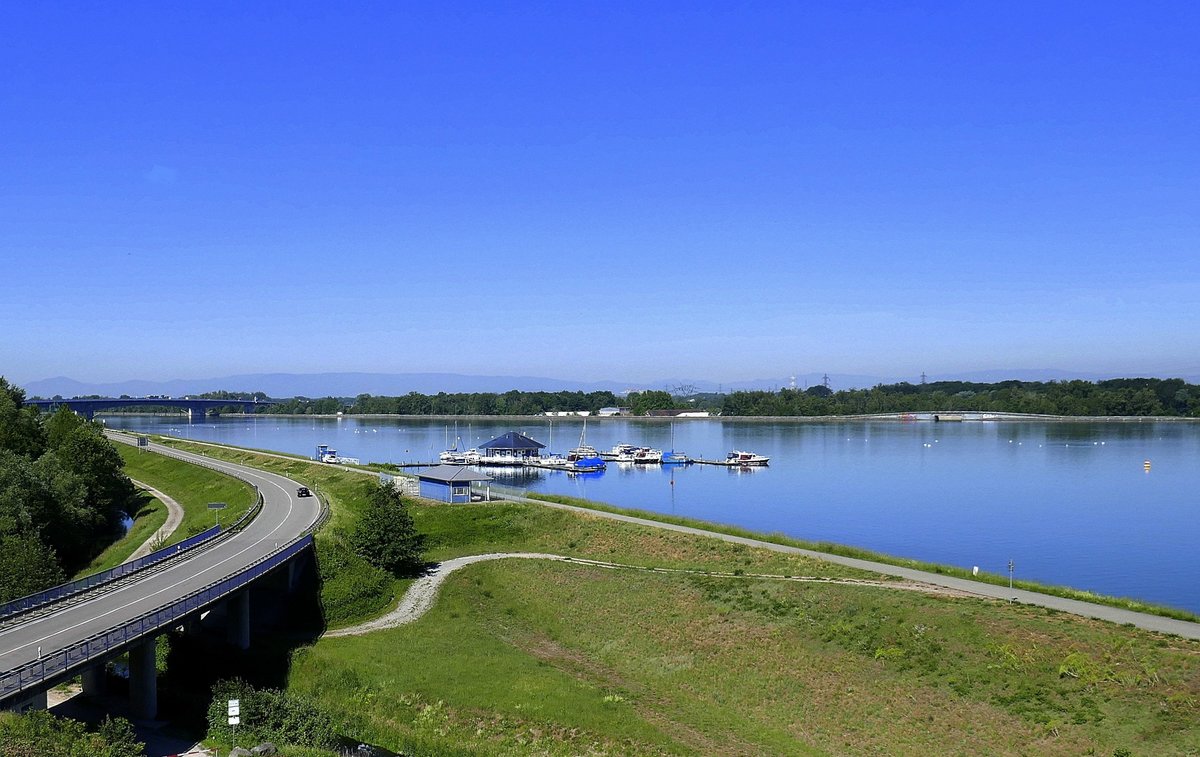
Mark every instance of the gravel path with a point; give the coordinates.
(420, 596)
(1147, 621)
(174, 518)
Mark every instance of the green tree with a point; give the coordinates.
(385, 535)
(20, 430)
(27, 566)
(642, 402)
(60, 424)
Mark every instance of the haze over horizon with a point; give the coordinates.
(633, 191)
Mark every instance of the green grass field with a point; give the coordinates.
(531, 657)
(192, 486)
(150, 517)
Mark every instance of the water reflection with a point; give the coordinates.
(1071, 503)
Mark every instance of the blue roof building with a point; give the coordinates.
(513, 443)
(453, 483)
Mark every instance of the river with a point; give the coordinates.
(1069, 503)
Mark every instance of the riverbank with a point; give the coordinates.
(1065, 598)
(914, 417)
(570, 656)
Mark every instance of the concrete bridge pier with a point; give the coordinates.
(95, 681)
(237, 623)
(33, 702)
(295, 567)
(143, 680)
(196, 415)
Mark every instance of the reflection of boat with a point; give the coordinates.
(739, 457)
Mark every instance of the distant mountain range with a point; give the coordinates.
(388, 384)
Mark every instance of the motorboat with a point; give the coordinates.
(740, 457)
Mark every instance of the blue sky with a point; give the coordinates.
(599, 190)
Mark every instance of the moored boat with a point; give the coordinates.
(740, 457)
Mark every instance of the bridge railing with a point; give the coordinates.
(60, 662)
(87, 583)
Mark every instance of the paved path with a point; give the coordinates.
(174, 518)
(1144, 620)
(419, 597)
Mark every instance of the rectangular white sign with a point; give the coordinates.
(234, 720)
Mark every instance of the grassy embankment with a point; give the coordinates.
(831, 548)
(150, 517)
(192, 486)
(521, 657)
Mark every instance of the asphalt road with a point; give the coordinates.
(284, 517)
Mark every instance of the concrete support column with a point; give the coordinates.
(143, 681)
(196, 415)
(294, 568)
(33, 702)
(94, 681)
(238, 619)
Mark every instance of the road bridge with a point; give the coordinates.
(195, 408)
(79, 634)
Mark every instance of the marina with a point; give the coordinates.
(1071, 503)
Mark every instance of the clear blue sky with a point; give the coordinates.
(598, 190)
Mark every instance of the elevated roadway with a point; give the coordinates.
(112, 621)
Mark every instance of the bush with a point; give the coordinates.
(270, 715)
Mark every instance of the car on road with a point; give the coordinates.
(303, 492)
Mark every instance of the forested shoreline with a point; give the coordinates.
(1135, 397)
(63, 494)
(1132, 397)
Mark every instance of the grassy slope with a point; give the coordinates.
(150, 517)
(864, 554)
(192, 486)
(565, 659)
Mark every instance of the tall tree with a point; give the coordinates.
(385, 535)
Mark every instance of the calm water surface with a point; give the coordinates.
(1069, 503)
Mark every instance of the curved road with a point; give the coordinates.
(284, 517)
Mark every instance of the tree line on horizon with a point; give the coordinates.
(1113, 397)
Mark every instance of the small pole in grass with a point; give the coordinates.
(1010, 574)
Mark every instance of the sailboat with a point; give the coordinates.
(671, 457)
(456, 456)
(585, 455)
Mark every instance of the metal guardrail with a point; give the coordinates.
(100, 644)
(61, 661)
(71, 588)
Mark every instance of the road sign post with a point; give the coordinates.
(235, 717)
(217, 507)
